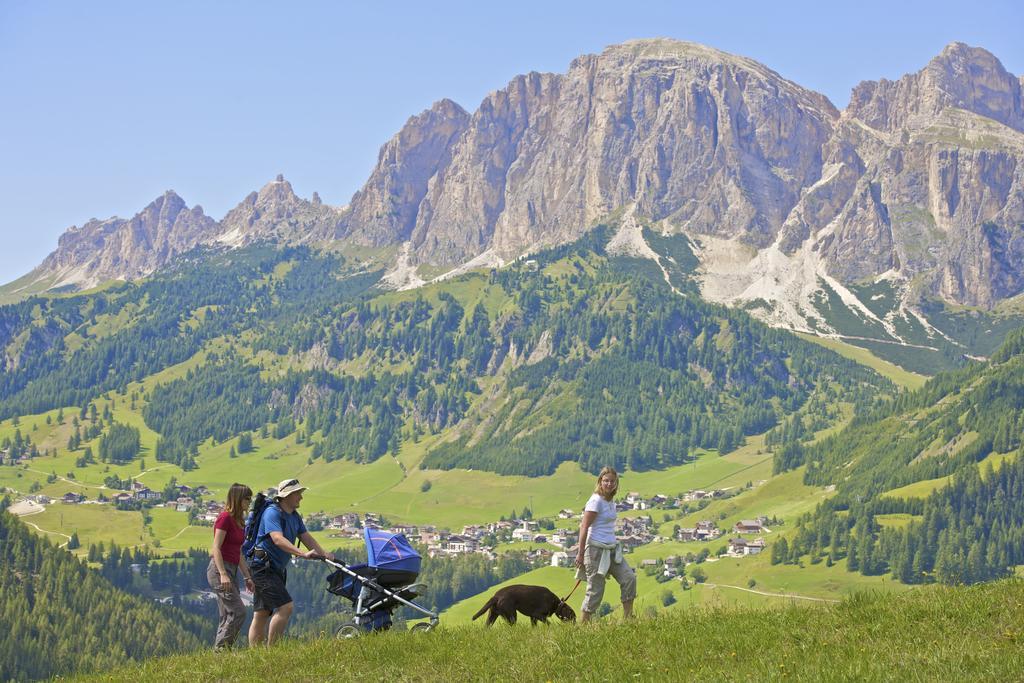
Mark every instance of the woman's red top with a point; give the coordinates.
(231, 549)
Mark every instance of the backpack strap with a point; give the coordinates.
(250, 554)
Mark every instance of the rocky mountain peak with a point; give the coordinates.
(386, 208)
(277, 191)
(126, 249)
(443, 110)
(661, 124)
(276, 213)
(960, 77)
(920, 180)
(162, 212)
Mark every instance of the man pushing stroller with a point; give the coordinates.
(279, 526)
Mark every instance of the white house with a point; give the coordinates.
(460, 544)
(739, 547)
(636, 500)
(748, 526)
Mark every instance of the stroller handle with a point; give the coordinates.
(333, 563)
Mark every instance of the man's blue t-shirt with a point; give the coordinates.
(289, 524)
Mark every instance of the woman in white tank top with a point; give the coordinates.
(600, 554)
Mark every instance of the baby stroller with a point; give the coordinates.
(376, 588)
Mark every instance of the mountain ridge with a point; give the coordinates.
(918, 182)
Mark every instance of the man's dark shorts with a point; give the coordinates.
(270, 593)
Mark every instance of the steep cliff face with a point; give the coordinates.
(922, 185)
(718, 146)
(127, 249)
(710, 142)
(385, 209)
(276, 214)
(943, 152)
(960, 77)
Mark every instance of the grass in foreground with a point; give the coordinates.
(939, 634)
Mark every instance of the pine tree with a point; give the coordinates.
(245, 442)
(852, 563)
(780, 551)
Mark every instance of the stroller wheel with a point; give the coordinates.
(348, 631)
(422, 627)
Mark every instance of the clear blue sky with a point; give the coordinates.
(105, 105)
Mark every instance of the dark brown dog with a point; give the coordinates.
(536, 602)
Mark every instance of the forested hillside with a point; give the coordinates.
(572, 355)
(947, 459)
(58, 617)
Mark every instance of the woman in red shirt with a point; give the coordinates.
(225, 561)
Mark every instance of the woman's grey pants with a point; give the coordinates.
(595, 582)
(229, 604)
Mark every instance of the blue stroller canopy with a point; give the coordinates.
(386, 550)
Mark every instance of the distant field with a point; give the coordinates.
(924, 488)
(455, 497)
(187, 538)
(167, 523)
(904, 378)
(899, 520)
(784, 496)
(392, 487)
(811, 580)
(93, 523)
(919, 489)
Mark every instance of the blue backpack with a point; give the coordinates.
(252, 525)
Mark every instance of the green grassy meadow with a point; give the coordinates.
(935, 634)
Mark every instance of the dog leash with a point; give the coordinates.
(566, 598)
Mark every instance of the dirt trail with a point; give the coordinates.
(770, 595)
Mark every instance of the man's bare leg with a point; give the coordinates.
(258, 627)
(279, 621)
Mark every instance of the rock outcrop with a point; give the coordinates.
(276, 214)
(128, 249)
(708, 141)
(960, 77)
(943, 156)
(918, 177)
(385, 210)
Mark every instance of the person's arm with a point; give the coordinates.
(218, 558)
(315, 551)
(588, 519)
(281, 542)
(244, 566)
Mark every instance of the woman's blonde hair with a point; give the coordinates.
(604, 471)
(237, 495)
